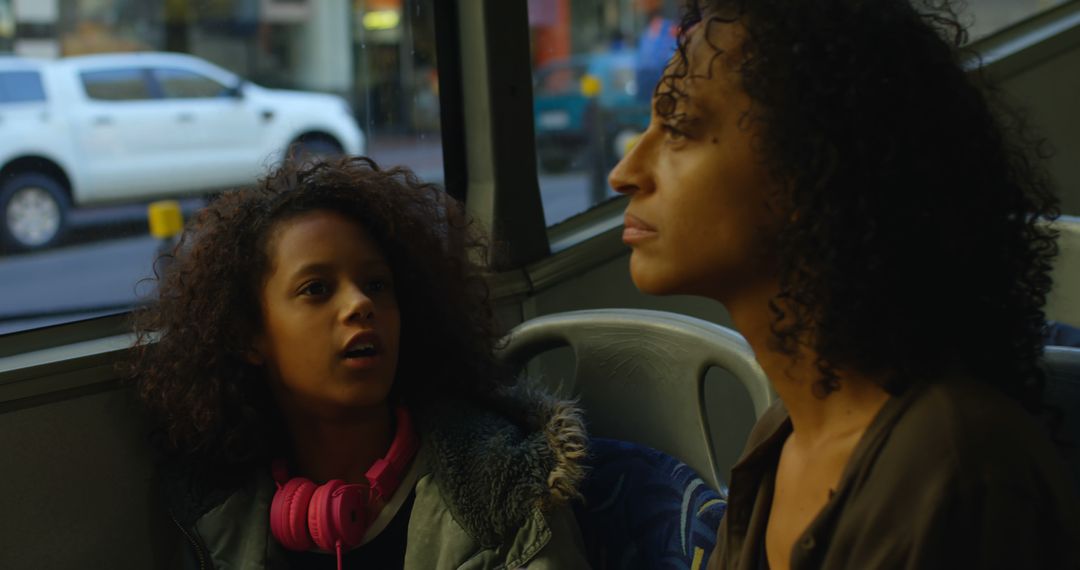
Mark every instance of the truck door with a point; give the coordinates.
(122, 135)
(217, 133)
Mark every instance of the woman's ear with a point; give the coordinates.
(254, 355)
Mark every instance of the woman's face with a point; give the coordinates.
(331, 326)
(698, 217)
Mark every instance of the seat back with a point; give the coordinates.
(1062, 365)
(640, 375)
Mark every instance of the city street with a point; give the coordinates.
(105, 264)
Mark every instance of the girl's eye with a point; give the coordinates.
(315, 289)
(377, 285)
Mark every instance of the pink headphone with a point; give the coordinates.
(333, 516)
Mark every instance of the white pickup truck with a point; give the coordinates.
(131, 127)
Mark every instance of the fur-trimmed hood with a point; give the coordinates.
(498, 461)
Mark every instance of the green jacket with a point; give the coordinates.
(493, 491)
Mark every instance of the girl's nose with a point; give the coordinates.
(359, 306)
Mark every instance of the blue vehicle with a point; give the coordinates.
(588, 105)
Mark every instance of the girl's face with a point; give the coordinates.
(698, 217)
(331, 326)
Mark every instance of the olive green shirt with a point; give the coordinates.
(948, 475)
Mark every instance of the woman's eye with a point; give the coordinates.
(673, 134)
(315, 289)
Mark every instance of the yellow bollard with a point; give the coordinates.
(627, 142)
(166, 223)
(590, 85)
(166, 220)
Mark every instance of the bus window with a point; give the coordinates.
(108, 106)
(989, 16)
(594, 67)
(595, 64)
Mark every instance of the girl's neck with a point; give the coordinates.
(842, 415)
(340, 448)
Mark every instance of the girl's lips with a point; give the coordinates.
(362, 362)
(636, 230)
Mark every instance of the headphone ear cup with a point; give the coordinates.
(338, 513)
(289, 514)
(318, 515)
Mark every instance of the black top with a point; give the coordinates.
(386, 551)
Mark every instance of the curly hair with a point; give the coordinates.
(916, 244)
(189, 358)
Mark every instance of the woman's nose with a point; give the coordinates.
(628, 176)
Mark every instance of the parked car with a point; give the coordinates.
(131, 127)
(587, 103)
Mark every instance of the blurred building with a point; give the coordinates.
(380, 54)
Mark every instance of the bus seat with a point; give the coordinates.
(1062, 365)
(640, 375)
(640, 378)
(645, 509)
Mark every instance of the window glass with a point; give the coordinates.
(594, 66)
(116, 84)
(21, 87)
(595, 63)
(988, 16)
(182, 84)
(74, 239)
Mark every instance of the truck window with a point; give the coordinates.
(21, 87)
(184, 84)
(116, 84)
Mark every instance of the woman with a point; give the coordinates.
(320, 365)
(830, 173)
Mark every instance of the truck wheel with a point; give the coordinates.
(311, 150)
(34, 211)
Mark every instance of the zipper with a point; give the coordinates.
(194, 544)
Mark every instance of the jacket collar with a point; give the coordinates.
(531, 446)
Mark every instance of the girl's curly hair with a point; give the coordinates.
(915, 245)
(189, 359)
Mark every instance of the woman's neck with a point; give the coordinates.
(842, 415)
(340, 448)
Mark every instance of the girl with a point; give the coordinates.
(320, 365)
(849, 194)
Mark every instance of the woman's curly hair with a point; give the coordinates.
(916, 243)
(189, 359)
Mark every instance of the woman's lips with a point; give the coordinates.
(636, 230)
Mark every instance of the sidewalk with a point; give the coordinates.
(421, 153)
